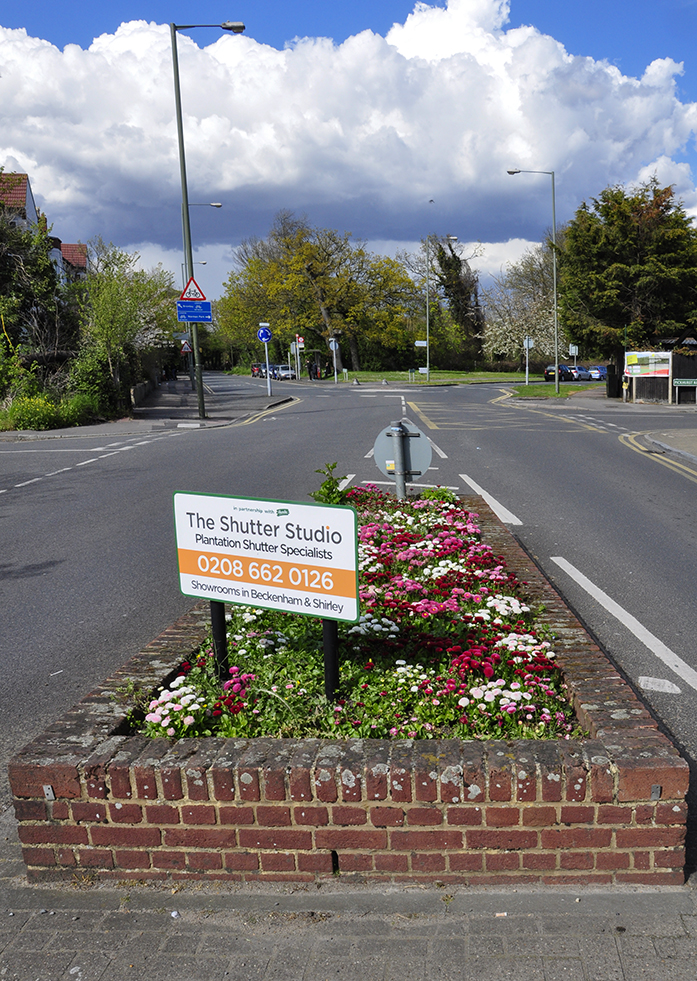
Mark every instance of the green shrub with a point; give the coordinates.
(78, 409)
(34, 412)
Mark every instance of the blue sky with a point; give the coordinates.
(359, 135)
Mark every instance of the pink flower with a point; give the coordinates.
(188, 720)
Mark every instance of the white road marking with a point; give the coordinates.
(659, 684)
(390, 483)
(439, 451)
(369, 454)
(346, 481)
(499, 510)
(27, 482)
(84, 463)
(649, 640)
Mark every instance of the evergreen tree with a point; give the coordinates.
(628, 270)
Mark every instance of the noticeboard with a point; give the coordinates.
(277, 555)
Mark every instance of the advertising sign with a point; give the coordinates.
(647, 364)
(277, 555)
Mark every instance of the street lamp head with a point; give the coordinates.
(512, 172)
(235, 26)
(451, 238)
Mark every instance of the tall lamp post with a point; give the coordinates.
(236, 27)
(550, 173)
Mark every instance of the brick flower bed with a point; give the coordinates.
(608, 809)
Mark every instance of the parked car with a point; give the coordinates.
(598, 372)
(580, 373)
(256, 369)
(564, 373)
(284, 372)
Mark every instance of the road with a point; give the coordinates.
(88, 568)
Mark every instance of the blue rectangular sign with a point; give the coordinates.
(194, 311)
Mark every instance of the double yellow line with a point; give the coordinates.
(683, 469)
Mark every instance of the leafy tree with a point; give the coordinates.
(317, 283)
(459, 285)
(520, 303)
(628, 269)
(125, 309)
(38, 314)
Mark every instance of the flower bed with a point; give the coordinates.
(606, 808)
(447, 647)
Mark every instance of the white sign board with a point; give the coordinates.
(277, 555)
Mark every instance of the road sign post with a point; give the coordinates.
(192, 293)
(401, 452)
(265, 335)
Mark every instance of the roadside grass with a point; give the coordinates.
(546, 390)
(403, 377)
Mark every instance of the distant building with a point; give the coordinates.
(17, 202)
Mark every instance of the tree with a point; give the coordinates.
(628, 270)
(125, 309)
(459, 285)
(36, 308)
(520, 304)
(317, 283)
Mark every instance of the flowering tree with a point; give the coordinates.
(521, 304)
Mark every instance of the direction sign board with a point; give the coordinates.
(277, 555)
(190, 311)
(420, 344)
(192, 291)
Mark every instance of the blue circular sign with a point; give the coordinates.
(264, 335)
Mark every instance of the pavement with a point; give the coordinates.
(344, 928)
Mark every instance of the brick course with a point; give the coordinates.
(609, 808)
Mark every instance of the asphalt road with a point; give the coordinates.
(87, 559)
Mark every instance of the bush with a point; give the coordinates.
(78, 410)
(34, 412)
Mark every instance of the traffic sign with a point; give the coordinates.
(417, 451)
(186, 348)
(192, 291)
(420, 343)
(264, 335)
(191, 311)
(333, 344)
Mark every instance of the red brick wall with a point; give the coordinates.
(610, 808)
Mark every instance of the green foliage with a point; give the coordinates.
(329, 491)
(316, 283)
(34, 412)
(439, 494)
(628, 270)
(90, 379)
(125, 309)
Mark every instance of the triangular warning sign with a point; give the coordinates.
(192, 291)
(186, 347)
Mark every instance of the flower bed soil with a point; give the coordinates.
(89, 795)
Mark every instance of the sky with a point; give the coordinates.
(390, 119)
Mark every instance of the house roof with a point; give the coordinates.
(76, 255)
(13, 190)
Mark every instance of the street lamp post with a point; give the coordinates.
(550, 173)
(236, 28)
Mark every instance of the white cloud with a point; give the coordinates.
(359, 136)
